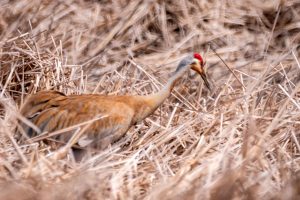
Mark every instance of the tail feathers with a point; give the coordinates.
(36, 109)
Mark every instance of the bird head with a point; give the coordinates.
(198, 66)
(196, 63)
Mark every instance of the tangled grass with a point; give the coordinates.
(239, 141)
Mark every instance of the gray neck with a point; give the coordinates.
(159, 97)
(153, 101)
(180, 70)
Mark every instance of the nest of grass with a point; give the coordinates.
(240, 141)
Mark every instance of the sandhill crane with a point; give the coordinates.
(52, 110)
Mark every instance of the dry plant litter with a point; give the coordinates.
(240, 141)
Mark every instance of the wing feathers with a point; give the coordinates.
(51, 111)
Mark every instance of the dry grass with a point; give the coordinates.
(240, 141)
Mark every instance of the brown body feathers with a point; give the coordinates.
(52, 110)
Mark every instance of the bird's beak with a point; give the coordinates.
(197, 67)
